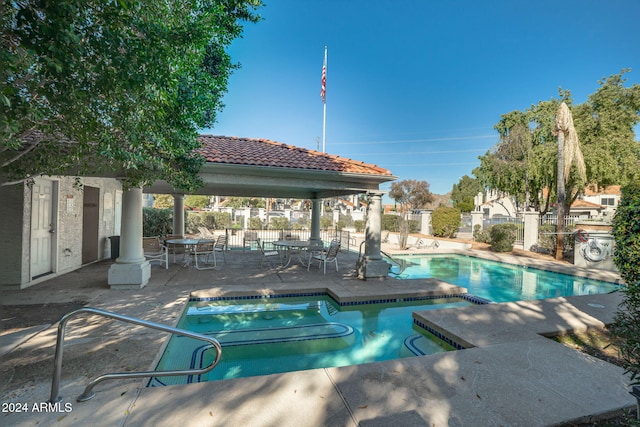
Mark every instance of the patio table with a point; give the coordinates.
(188, 245)
(290, 246)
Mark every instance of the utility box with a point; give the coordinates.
(115, 246)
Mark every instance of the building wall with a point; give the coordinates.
(15, 241)
(11, 238)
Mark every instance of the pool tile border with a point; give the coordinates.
(471, 298)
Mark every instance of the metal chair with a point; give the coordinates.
(204, 249)
(249, 238)
(326, 256)
(154, 250)
(221, 246)
(268, 255)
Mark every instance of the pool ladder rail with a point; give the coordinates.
(88, 393)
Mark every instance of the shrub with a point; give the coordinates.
(255, 223)
(547, 239)
(414, 225)
(626, 232)
(480, 235)
(326, 221)
(445, 221)
(502, 237)
(210, 220)
(279, 223)
(156, 222)
(359, 225)
(390, 222)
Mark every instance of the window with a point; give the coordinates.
(608, 201)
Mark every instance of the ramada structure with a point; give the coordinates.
(58, 227)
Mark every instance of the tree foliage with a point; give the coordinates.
(89, 86)
(524, 162)
(193, 201)
(464, 192)
(626, 232)
(162, 201)
(411, 194)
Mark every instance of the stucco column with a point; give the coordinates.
(178, 214)
(131, 270)
(531, 223)
(373, 265)
(316, 211)
(476, 219)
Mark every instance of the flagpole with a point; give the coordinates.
(324, 102)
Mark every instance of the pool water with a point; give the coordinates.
(266, 336)
(496, 281)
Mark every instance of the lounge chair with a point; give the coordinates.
(154, 250)
(205, 233)
(326, 256)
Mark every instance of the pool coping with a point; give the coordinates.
(514, 376)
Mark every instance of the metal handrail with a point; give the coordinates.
(88, 394)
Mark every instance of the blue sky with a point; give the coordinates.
(416, 86)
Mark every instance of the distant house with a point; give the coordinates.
(497, 205)
(607, 199)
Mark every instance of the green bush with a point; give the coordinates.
(279, 223)
(210, 220)
(157, 222)
(359, 225)
(391, 222)
(626, 232)
(445, 221)
(326, 221)
(480, 235)
(503, 236)
(255, 223)
(547, 239)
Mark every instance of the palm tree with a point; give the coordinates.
(568, 154)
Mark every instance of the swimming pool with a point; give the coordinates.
(272, 335)
(496, 281)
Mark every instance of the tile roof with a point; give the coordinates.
(612, 189)
(579, 203)
(262, 152)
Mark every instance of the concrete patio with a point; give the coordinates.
(511, 376)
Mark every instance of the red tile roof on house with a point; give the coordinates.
(579, 203)
(262, 152)
(612, 189)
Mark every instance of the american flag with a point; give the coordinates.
(323, 90)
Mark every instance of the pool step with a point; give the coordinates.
(420, 345)
(282, 334)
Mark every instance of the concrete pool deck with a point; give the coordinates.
(512, 375)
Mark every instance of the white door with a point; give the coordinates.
(42, 227)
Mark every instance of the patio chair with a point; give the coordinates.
(269, 255)
(249, 238)
(326, 256)
(154, 250)
(221, 246)
(204, 250)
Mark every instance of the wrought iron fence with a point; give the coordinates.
(246, 239)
